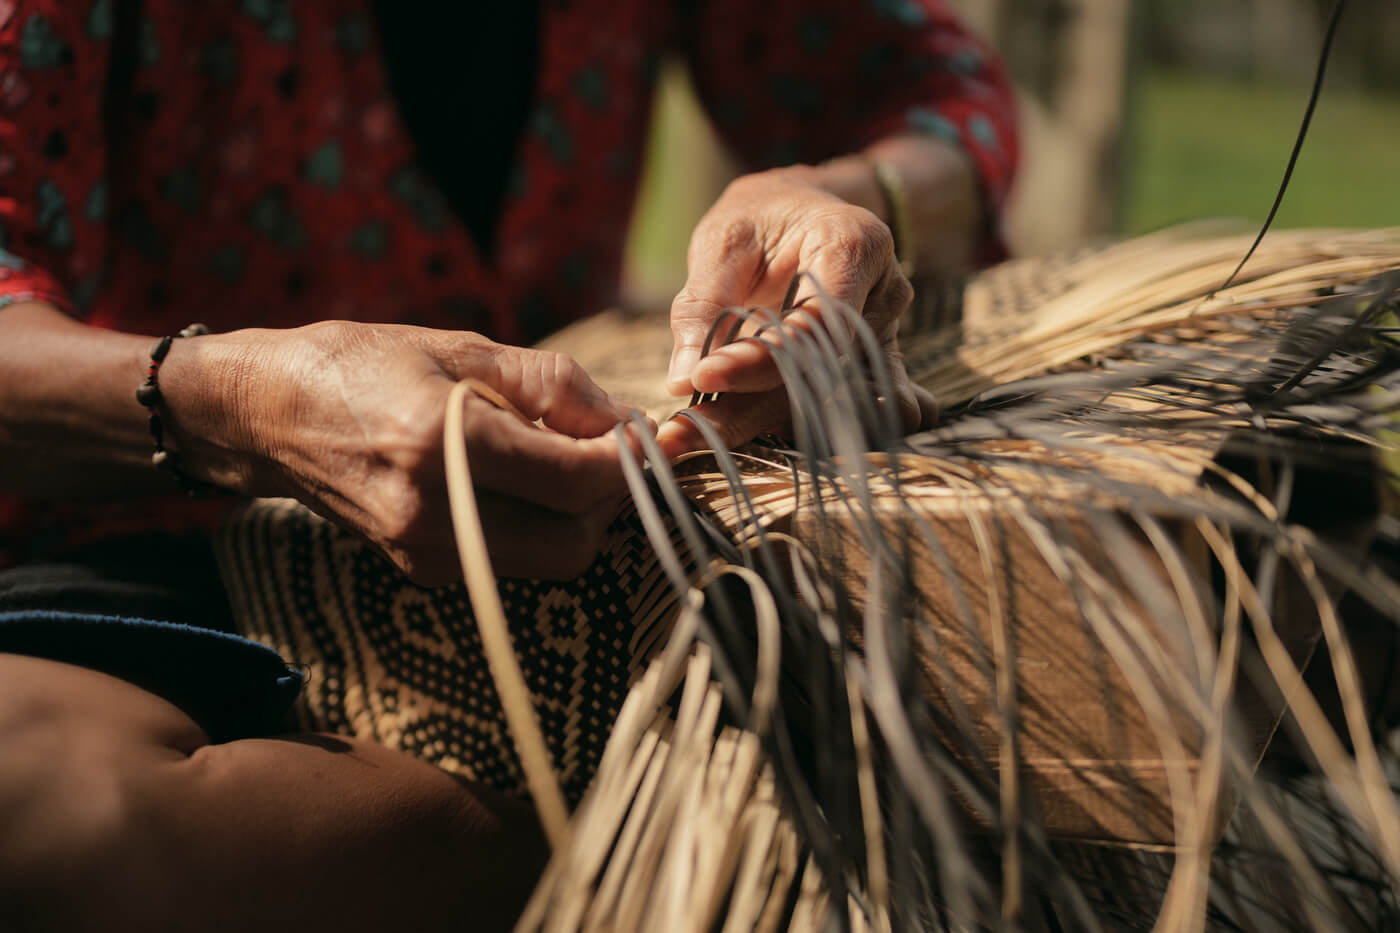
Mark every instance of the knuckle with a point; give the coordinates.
(555, 376)
(569, 374)
(865, 240)
(722, 239)
(690, 303)
(401, 517)
(692, 313)
(878, 234)
(854, 245)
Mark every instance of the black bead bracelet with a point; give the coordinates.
(148, 394)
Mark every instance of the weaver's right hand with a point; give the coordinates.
(348, 418)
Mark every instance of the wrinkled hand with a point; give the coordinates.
(348, 418)
(762, 231)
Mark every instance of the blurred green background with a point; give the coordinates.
(1204, 146)
(1136, 114)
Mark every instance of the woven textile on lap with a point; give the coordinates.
(402, 665)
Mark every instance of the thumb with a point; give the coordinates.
(721, 276)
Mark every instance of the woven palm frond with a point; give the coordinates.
(1105, 650)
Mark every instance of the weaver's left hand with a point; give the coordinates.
(744, 252)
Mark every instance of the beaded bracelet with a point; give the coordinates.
(148, 394)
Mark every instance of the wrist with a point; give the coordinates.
(209, 407)
(942, 201)
(851, 179)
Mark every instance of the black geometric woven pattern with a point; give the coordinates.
(402, 665)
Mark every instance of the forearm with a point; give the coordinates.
(946, 214)
(70, 425)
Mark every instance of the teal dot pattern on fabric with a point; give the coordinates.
(370, 239)
(966, 62)
(100, 20)
(983, 131)
(546, 126)
(53, 216)
(924, 120)
(40, 46)
(271, 216)
(85, 292)
(95, 209)
(325, 166)
(904, 12)
(9, 260)
(591, 85)
(275, 17)
(412, 188)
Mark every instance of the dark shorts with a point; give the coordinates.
(150, 610)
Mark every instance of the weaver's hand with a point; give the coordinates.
(745, 251)
(348, 418)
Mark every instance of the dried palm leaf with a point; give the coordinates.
(1022, 670)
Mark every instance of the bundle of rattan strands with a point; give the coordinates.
(1099, 652)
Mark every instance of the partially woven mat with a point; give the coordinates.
(1074, 614)
(399, 664)
(687, 818)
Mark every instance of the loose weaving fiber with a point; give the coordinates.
(1138, 521)
(1019, 671)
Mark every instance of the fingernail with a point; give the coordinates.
(622, 410)
(683, 360)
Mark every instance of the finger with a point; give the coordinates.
(854, 265)
(525, 540)
(929, 409)
(916, 406)
(890, 296)
(725, 264)
(547, 386)
(748, 365)
(744, 366)
(738, 418)
(561, 473)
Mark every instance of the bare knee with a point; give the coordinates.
(117, 814)
(72, 738)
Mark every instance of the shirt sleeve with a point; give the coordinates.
(53, 154)
(805, 80)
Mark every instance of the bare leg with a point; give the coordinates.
(117, 814)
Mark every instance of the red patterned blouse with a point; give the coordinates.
(244, 162)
